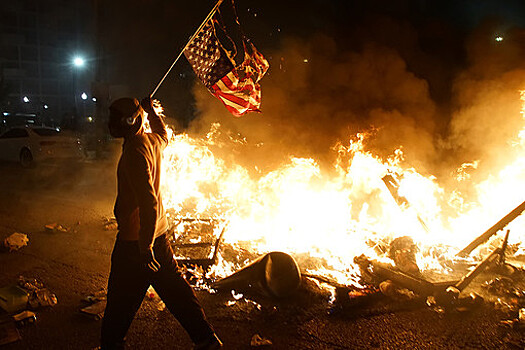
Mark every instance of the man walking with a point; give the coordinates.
(142, 255)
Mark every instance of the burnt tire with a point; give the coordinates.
(26, 158)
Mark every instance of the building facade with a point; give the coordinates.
(47, 59)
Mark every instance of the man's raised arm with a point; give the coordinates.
(155, 121)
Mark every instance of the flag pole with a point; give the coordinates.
(185, 46)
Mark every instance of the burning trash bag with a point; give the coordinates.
(276, 274)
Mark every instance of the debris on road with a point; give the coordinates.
(100, 295)
(13, 298)
(257, 340)
(275, 274)
(95, 305)
(15, 241)
(29, 284)
(521, 315)
(41, 298)
(95, 310)
(110, 224)
(390, 289)
(54, 227)
(152, 295)
(24, 317)
(517, 322)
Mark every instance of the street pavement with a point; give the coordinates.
(75, 264)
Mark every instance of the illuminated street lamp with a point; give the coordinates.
(25, 99)
(78, 61)
(84, 96)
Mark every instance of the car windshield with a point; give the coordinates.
(46, 132)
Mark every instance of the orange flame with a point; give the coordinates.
(326, 218)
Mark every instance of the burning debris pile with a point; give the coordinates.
(368, 226)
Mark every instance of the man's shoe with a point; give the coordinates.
(212, 344)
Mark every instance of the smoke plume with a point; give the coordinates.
(318, 93)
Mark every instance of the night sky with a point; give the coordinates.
(412, 67)
(141, 38)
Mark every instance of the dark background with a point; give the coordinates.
(427, 76)
(141, 38)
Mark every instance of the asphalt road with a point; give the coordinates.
(75, 264)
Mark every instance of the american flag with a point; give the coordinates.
(237, 87)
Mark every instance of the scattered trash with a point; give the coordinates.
(507, 323)
(54, 227)
(96, 305)
(521, 315)
(13, 298)
(41, 298)
(9, 333)
(505, 307)
(152, 295)
(101, 295)
(502, 286)
(110, 224)
(518, 322)
(24, 317)
(29, 284)
(16, 241)
(161, 306)
(390, 289)
(95, 310)
(275, 274)
(257, 340)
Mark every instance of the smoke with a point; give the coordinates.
(418, 80)
(317, 93)
(487, 99)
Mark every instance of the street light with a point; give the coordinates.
(78, 61)
(25, 99)
(84, 96)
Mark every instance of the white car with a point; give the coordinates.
(28, 145)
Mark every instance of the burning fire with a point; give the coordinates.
(325, 218)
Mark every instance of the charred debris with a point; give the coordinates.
(276, 279)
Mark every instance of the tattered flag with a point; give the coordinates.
(237, 87)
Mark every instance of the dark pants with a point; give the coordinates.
(128, 282)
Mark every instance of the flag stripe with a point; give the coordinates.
(236, 97)
(225, 85)
(237, 87)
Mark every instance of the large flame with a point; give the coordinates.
(324, 218)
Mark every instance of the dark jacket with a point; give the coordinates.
(138, 208)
